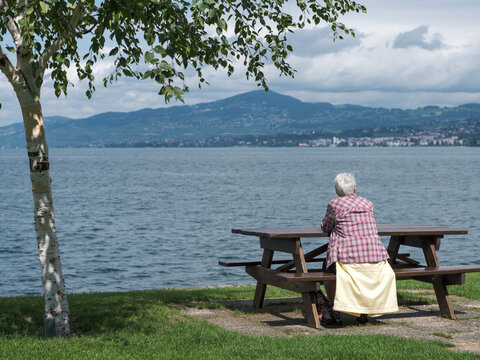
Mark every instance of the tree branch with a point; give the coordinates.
(6, 66)
(57, 44)
(14, 30)
(12, 26)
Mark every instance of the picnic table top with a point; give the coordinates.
(383, 230)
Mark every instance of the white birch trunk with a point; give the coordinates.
(26, 80)
(56, 317)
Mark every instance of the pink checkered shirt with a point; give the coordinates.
(353, 231)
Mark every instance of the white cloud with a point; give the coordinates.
(313, 42)
(376, 67)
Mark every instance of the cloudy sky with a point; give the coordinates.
(406, 54)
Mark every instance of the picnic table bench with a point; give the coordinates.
(293, 274)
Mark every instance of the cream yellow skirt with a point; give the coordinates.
(367, 288)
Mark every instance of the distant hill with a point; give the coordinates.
(252, 113)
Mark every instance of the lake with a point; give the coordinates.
(161, 218)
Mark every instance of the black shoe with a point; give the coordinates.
(325, 322)
(363, 319)
(331, 323)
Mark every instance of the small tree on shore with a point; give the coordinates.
(147, 39)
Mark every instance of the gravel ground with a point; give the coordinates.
(283, 317)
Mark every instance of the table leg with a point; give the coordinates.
(441, 292)
(393, 247)
(309, 299)
(443, 299)
(261, 287)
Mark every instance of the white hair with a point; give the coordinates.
(344, 184)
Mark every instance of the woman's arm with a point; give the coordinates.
(328, 221)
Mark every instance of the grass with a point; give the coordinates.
(147, 325)
(471, 289)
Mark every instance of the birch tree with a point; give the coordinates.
(146, 39)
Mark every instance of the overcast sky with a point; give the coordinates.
(406, 54)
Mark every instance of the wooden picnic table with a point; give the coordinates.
(293, 274)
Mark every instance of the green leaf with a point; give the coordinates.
(178, 93)
(44, 7)
(122, 61)
(146, 75)
(113, 52)
(149, 57)
(159, 50)
(165, 66)
(222, 24)
(10, 48)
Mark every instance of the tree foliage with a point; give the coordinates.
(156, 39)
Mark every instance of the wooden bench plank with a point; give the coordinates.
(308, 259)
(441, 270)
(270, 277)
(253, 263)
(383, 230)
(400, 273)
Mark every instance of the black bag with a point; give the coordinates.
(325, 310)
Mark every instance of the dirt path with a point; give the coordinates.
(283, 317)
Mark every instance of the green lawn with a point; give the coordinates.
(470, 289)
(147, 325)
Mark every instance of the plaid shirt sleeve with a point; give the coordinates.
(329, 220)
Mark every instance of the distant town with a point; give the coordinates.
(390, 141)
(400, 136)
(292, 140)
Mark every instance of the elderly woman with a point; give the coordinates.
(365, 281)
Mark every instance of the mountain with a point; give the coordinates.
(252, 113)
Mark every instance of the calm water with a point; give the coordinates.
(157, 218)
